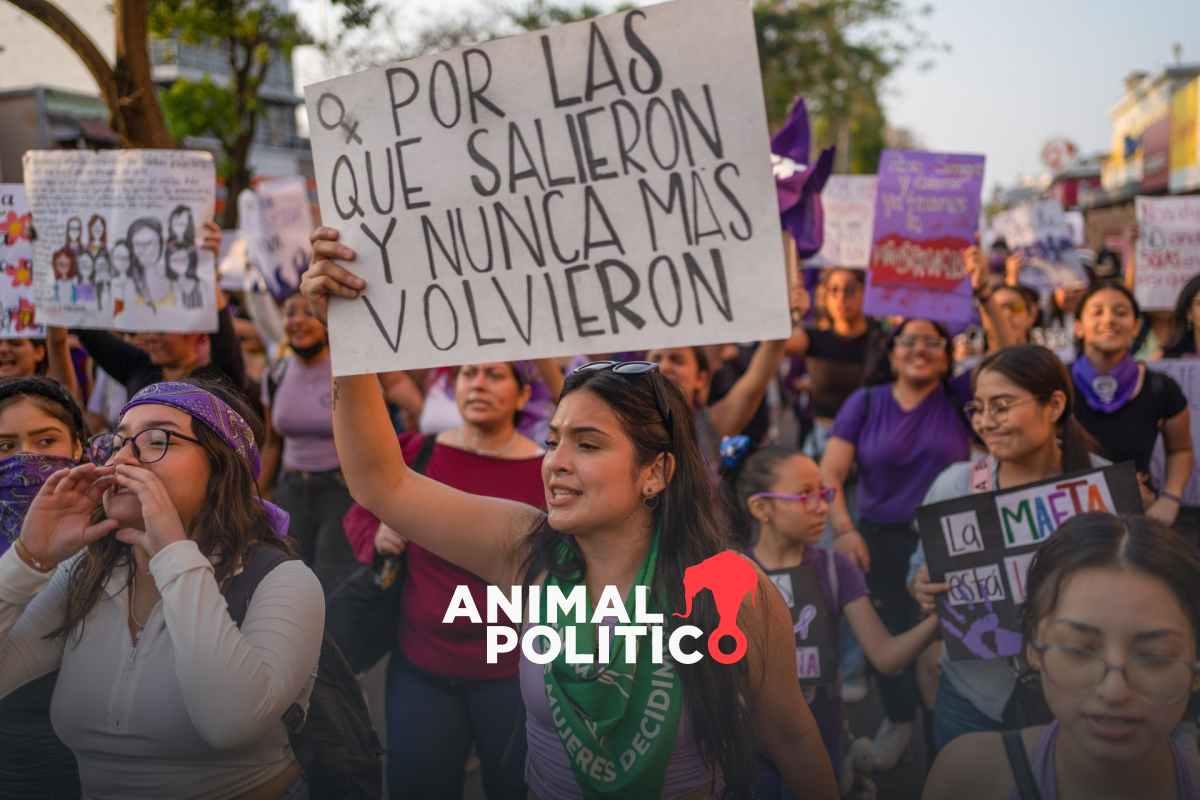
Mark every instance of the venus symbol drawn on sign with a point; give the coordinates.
(347, 123)
(807, 615)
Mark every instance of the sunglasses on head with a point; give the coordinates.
(633, 369)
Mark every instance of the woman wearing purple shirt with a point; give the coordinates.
(899, 431)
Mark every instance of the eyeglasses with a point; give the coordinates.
(149, 445)
(1159, 680)
(633, 368)
(998, 409)
(810, 500)
(911, 340)
(1014, 307)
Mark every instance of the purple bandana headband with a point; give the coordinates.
(216, 415)
(209, 409)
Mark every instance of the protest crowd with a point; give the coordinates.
(252, 552)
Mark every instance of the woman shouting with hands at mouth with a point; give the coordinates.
(116, 582)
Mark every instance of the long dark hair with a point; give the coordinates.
(230, 521)
(51, 397)
(1097, 540)
(1039, 371)
(755, 473)
(1185, 342)
(137, 270)
(879, 370)
(686, 517)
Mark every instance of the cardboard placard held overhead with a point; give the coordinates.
(926, 213)
(17, 317)
(848, 203)
(276, 222)
(1168, 249)
(118, 244)
(982, 545)
(596, 187)
(1047, 239)
(1186, 372)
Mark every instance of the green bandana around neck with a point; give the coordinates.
(617, 721)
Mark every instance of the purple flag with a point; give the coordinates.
(797, 184)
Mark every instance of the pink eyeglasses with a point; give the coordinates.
(807, 499)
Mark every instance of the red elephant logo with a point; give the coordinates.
(729, 577)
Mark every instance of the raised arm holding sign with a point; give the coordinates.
(599, 187)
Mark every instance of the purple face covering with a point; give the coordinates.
(21, 477)
(216, 415)
(1108, 392)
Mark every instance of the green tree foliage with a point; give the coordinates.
(251, 34)
(838, 55)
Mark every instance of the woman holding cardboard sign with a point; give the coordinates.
(629, 507)
(1022, 410)
(1117, 676)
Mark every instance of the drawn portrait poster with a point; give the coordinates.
(982, 546)
(595, 187)
(118, 239)
(17, 317)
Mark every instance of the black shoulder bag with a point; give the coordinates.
(360, 615)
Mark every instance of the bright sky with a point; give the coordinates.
(1018, 72)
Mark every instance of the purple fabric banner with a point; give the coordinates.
(926, 213)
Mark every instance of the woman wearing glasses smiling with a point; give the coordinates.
(1117, 675)
(899, 431)
(1023, 411)
(628, 504)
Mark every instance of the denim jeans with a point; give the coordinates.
(317, 501)
(432, 721)
(954, 716)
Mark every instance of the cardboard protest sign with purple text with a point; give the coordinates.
(1168, 249)
(595, 187)
(17, 317)
(926, 214)
(982, 545)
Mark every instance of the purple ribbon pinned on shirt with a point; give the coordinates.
(216, 415)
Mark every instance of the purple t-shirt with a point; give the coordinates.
(301, 413)
(898, 452)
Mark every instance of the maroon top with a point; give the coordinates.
(455, 650)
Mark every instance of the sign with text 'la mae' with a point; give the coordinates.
(596, 187)
(982, 546)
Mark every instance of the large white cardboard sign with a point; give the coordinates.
(118, 235)
(596, 187)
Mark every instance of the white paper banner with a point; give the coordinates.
(595, 187)
(848, 203)
(118, 238)
(1186, 372)
(1043, 234)
(17, 317)
(1168, 249)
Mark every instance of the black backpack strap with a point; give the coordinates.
(428, 442)
(1018, 760)
(240, 588)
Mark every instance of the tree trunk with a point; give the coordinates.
(126, 89)
(138, 118)
(237, 180)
